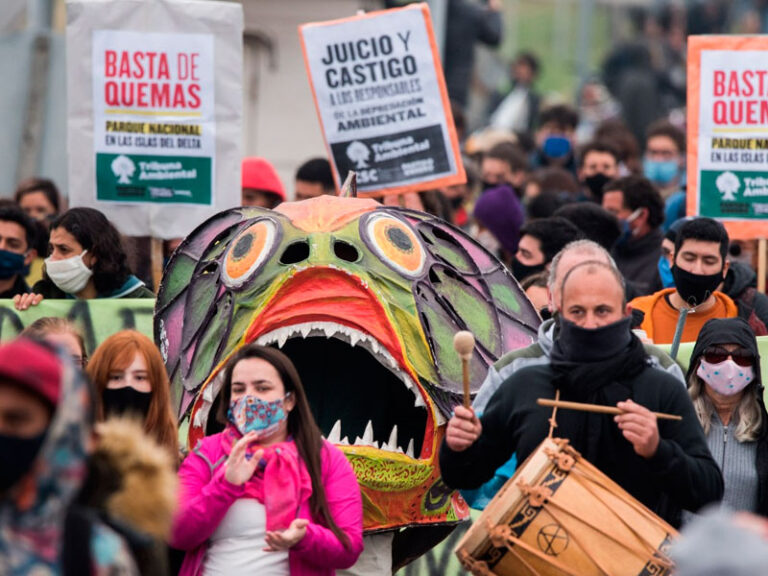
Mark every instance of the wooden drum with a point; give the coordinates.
(559, 515)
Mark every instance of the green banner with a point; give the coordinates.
(96, 319)
(156, 179)
(734, 194)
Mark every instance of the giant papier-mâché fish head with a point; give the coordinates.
(365, 300)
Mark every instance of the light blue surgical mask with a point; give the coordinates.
(665, 272)
(661, 171)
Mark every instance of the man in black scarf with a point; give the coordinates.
(597, 359)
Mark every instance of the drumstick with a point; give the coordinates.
(464, 343)
(597, 408)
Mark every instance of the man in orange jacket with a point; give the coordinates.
(699, 268)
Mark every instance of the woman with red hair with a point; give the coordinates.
(129, 375)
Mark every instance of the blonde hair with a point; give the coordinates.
(41, 327)
(747, 417)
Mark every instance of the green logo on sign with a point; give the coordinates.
(154, 179)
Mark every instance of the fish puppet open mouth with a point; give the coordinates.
(365, 300)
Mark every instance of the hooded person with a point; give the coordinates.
(727, 392)
(46, 416)
(498, 211)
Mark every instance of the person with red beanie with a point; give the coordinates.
(261, 185)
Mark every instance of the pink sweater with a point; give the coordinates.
(205, 495)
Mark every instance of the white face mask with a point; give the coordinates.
(70, 275)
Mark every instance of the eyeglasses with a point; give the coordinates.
(717, 355)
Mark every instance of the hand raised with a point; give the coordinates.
(241, 466)
(463, 430)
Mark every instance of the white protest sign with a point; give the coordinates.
(154, 103)
(728, 132)
(382, 101)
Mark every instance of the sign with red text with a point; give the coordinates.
(154, 126)
(728, 132)
(154, 105)
(382, 101)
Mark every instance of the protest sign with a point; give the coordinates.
(96, 319)
(728, 132)
(382, 102)
(154, 106)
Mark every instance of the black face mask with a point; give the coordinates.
(593, 344)
(126, 400)
(17, 455)
(521, 271)
(456, 202)
(694, 289)
(595, 183)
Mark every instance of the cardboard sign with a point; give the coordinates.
(382, 102)
(728, 132)
(154, 106)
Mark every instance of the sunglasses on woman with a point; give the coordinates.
(741, 357)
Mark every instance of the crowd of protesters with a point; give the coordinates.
(586, 206)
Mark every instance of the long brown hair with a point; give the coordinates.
(116, 353)
(301, 424)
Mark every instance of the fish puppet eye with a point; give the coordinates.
(249, 250)
(396, 243)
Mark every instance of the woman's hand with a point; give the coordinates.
(24, 301)
(240, 466)
(288, 538)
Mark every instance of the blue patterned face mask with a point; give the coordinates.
(252, 414)
(660, 172)
(665, 272)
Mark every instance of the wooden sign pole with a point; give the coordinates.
(157, 262)
(761, 264)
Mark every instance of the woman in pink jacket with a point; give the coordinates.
(267, 496)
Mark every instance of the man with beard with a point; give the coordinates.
(595, 359)
(699, 268)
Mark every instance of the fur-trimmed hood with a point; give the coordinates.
(133, 479)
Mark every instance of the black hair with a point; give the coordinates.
(703, 230)
(511, 154)
(666, 128)
(12, 213)
(595, 222)
(639, 192)
(552, 233)
(96, 234)
(317, 170)
(530, 60)
(597, 146)
(43, 185)
(540, 280)
(562, 115)
(545, 204)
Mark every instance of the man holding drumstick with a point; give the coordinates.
(595, 359)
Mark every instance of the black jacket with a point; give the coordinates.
(19, 287)
(741, 285)
(638, 258)
(681, 475)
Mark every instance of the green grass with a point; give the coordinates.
(556, 46)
